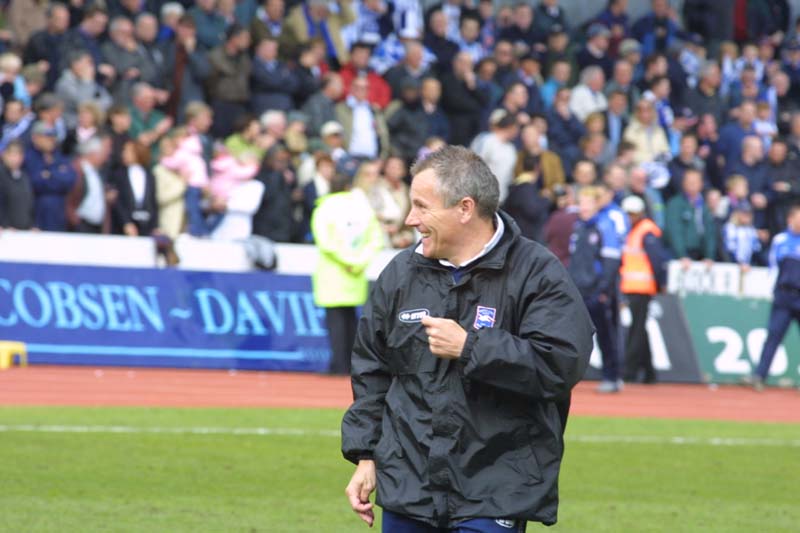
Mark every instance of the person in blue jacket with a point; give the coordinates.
(595, 255)
(785, 257)
(52, 177)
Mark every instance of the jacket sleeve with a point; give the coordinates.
(658, 260)
(549, 353)
(361, 425)
(674, 229)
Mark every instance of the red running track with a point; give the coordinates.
(86, 386)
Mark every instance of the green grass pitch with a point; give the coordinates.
(136, 469)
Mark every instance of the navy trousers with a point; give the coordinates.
(780, 318)
(397, 523)
(608, 337)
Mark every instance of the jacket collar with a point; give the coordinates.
(494, 259)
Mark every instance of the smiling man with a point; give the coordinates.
(465, 356)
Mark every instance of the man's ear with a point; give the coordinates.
(467, 209)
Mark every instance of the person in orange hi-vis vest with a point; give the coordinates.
(641, 275)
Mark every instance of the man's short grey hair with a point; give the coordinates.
(145, 15)
(92, 145)
(171, 8)
(117, 22)
(707, 67)
(139, 88)
(461, 173)
(590, 72)
(272, 117)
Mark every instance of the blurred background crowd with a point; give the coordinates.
(229, 118)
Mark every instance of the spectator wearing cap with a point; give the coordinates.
(90, 199)
(564, 128)
(16, 190)
(595, 53)
(268, 20)
(272, 83)
(321, 106)
(658, 29)
(437, 41)
(522, 33)
(49, 108)
(529, 73)
(641, 276)
(314, 19)
(462, 100)
(330, 142)
(129, 58)
(228, 82)
(52, 177)
(407, 122)
(587, 97)
(690, 230)
(365, 132)
(435, 118)
(210, 24)
(379, 93)
(412, 66)
(497, 148)
(45, 48)
(615, 18)
(631, 51)
(79, 84)
(187, 69)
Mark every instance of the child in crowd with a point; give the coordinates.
(187, 160)
(736, 192)
(764, 125)
(740, 236)
(728, 53)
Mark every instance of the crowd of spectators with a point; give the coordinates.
(228, 118)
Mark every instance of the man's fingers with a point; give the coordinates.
(368, 517)
(364, 493)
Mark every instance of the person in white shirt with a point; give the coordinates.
(497, 149)
(587, 97)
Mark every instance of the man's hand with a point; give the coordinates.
(360, 487)
(446, 337)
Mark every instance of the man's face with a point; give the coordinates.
(692, 183)
(359, 89)
(275, 9)
(470, 30)
(146, 29)
(504, 53)
(44, 143)
(431, 90)
(793, 221)
(438, 225)
(523, 16)
(267, 50)
(587, 206)
(360, 57)
(13, 112)
(59, 21)
(623, 73)
(778, 152)
(13, 157)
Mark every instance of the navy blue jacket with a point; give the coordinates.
(785, 256)
(51, 183)
(595, 253)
